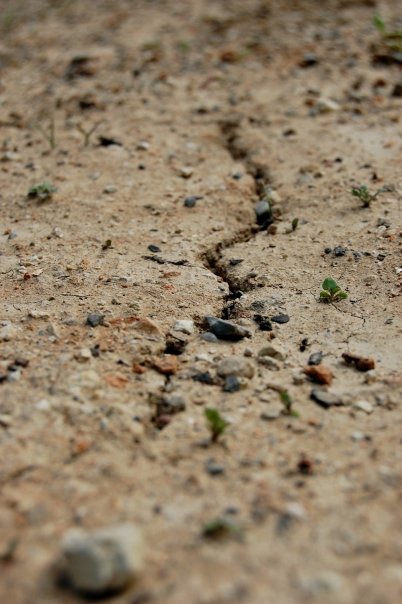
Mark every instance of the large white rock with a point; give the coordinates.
(103, 560)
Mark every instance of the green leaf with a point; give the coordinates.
(325, 295)
(330, 285)
(216, 423)
(378, 22)
(341, 295)
(295, 223)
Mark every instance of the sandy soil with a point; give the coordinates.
(163, 124)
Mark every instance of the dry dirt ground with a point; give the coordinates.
(129, 109)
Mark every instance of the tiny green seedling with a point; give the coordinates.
(216, 423)
(365, 196)
(287, 403)
(295, 223)
(42, 191)
(331, 292)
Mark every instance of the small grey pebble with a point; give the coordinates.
(315, 358)
(95, 319)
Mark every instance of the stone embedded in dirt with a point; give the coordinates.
(147, 325)
(83, 355)
(207, 336)
(269, 362)
(184, 325)
(327, 106)
(109, 190)
(263, 213)
(7, 331)
(263, 322)
(204, 377)
(319, 373)
(309, 60)
(226, 330)
(154, 248)
(315, 358)
(167, 365)
(103, 560)
(280, 319)
(361, 363)
(364, 406)
(95, 319)
(235, 366)
(169, 404)
(325, 399)
(232, 384)
(213, 468)
(190, 202)
(339, 250)
(272, 413)
(272, 350)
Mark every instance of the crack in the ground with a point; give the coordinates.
(213, 257)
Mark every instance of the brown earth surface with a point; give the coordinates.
(129, 108)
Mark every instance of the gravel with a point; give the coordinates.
(235, 366)
(104, 560)
(226, 330)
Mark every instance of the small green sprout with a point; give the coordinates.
(365, 196)
(287, 403)
(42, 191)
(295, 223)
(216, 423)
(379, 23)
(331, 292)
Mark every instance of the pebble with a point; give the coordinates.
(281, 319)
(263, 213)
(315, 358)
(269, 362)
(170, 404)
(103, 560)
(232, 384)
(154, 248)
(319, 373)
(365, 406)
(95, 319)
(84, 355)
(272, 350)
(109, 189)
(43, 405)
(213, 468)
(207, 336)
(190, 202)
(184, 326)
(325, 399)
(226, 330)
(271, 414)
(339, 250)
(7, 331)
(38, 314)
(327, 106)
(235, 366)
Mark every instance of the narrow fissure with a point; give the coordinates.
(213, 258)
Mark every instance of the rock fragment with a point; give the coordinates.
(95, 319)
(361, 363)
(319, 373)
(235, 366)
(226, 330)
(103, 560)
(325, 399)
(184, 325)
(272, 350)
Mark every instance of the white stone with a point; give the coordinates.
(7, 331)
(103, 560)
(274, 351)
(184, 325)
(238, 366)
(364, 406)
